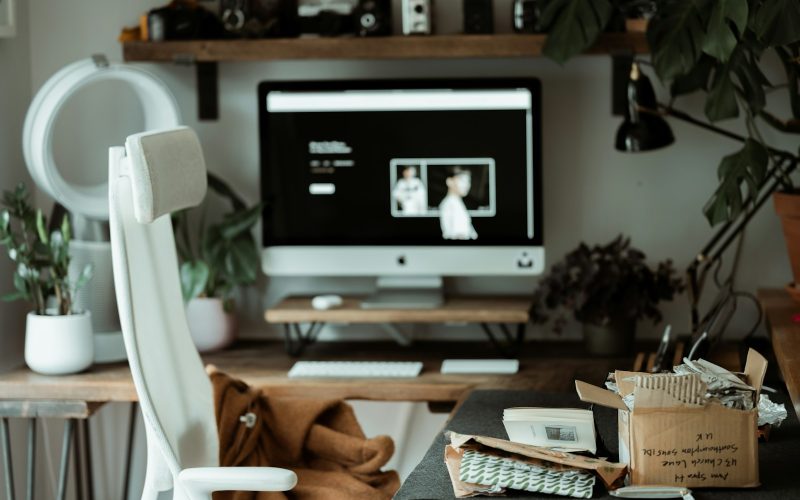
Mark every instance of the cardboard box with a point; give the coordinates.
(666, 441)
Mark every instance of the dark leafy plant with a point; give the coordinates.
(42, 258)
(221, 256)
(604, 284)
(716, 47)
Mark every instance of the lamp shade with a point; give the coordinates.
(643, 129)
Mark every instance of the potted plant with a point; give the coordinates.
(58, 338)
(216, 259)
(607, 288)
(716, 48)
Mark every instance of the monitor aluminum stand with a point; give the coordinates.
(406, 292)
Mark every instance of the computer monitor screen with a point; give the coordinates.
(435, 164)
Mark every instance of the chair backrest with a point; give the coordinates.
(161, 172)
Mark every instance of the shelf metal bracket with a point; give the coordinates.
(207, 76)
(207, 90)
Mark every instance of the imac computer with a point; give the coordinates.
(407, 181)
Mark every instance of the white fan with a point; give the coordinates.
(91, 202)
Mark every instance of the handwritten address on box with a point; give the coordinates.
(705, 454)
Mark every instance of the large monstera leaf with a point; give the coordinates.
(746, 169)
(727, 22)
(676, 36)
(776, 22)
(573, 26)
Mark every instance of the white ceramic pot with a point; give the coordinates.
(59, 345)
(211, 327)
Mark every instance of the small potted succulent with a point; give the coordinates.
(58, 338)
(216, 259)
(607, 288)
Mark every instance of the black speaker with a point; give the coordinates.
(373, 17)
(478, 16)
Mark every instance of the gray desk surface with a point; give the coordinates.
(481, 414)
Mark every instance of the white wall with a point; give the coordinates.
(592, 192)
(15, 91)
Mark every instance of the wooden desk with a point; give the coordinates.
(547, 366)
(544, 367)
(488, 312)
(780, 312)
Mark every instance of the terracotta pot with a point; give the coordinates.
(613, 339)
(211, 327)
(787, 205)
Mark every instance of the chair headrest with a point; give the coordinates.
(167, 172)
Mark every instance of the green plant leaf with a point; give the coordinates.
(223, 189)
(752, 82)
(676, 36)
(12, 296)
(721, 99)
(241, 262)
(721, 39)
(84, 277)
(744, 169)
(41, 228)
(194, 278)
(777, 22)
(573, 26)
(66, 230)
(20, 283)
(696, 79)
(240, 222)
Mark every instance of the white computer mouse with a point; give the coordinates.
(323, 302)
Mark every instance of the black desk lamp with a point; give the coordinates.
(642, 131)
(645, 129)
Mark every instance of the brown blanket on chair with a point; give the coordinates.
(319, 439)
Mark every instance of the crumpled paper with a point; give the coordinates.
(724, 387)
(770, 412)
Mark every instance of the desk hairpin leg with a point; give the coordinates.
(86, 446)
(69, 428)
(77, 444)
(31, 458)
(8, 467)
(296, 340)
(509, 345)
(129, 451)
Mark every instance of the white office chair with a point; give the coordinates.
(162, 172)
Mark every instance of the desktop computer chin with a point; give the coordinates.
(407, 181)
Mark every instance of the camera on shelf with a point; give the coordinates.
(182, 20)
(373, 17)
(526, 16)
(345, 17)
(417, 17)
(259, 18)
(326, 17)
(478, 16)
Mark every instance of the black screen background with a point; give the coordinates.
(359, 212)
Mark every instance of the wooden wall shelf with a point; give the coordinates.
(393, 47)
(205, 54)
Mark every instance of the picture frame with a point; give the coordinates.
(8, 27)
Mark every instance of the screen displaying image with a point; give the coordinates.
(412, 166)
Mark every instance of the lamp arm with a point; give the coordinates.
(713, 250)
(665, 110)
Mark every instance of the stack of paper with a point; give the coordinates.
(502, 472)
(486, 466)
(560, 429)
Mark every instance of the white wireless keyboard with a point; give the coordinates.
(356, 369)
